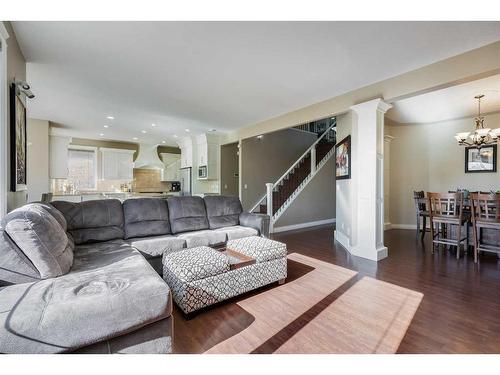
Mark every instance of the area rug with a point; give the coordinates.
(326, 310)
(277, 308)
(371, 317)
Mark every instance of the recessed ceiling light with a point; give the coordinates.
(187, 130)
(110, 117)
(153, 125)
(106, 126)
(102, 134)
(163, 141)
(143, 131)
(175, 135)
(135, 138)
(259, 136)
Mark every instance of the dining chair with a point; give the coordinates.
(485, 215)
(421, 212)
(446, 210)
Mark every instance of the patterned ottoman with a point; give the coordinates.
(201, 276)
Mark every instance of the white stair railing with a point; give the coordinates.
(267, 198)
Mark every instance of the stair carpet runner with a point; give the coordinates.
(297, 176)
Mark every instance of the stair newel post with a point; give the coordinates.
(269, 194)
(313, 160)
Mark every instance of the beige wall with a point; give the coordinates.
(316, 202)
(479, 63)
(16, 69)
(229, 166)
(265, 160)
(427, 157)
(38, 158)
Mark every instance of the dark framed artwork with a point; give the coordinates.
(343, 159)
(17, 142)
(481, 160)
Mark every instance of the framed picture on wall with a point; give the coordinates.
(17, 142)
(481, 160)
(343, 159)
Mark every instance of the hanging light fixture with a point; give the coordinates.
(481, 136)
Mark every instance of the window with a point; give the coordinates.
(82, 168)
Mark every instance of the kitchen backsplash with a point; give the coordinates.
(148, 180)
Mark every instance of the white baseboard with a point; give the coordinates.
(342, 239)
(404, 226)
(303, 225)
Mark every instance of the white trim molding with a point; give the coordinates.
(303, 225)
(342, 239)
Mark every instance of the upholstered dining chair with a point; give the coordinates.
(446, 210)
(421, 212)
(485, 215)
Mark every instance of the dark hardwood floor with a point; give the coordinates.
(459, 313)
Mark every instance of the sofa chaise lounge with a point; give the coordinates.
(84, 277)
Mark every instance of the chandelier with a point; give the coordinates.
(481, 136)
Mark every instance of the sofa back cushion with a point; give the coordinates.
(145, 217)
(223, 211)
(15, 267)
(41, 238)
(93, 221)
(187, 214)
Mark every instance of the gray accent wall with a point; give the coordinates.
(229, 166)
(266, 159)
(316, 202)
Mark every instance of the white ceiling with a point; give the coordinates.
(222, 75)
(450, 103)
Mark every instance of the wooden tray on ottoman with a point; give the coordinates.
(236, 259)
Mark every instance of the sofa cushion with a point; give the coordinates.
(41, 238)
(238, 231)
(195, 264)
(156, 246)
(15, 267)
(110, 291)
(203, 238)
(56, 214)
(259, 248)
(93, 221)
(222, 211)
(145, 217)
(187, 214)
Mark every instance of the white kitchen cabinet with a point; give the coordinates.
(58, 156)
(208, 155)
(186, 146)
(172, 167)
(116, 164)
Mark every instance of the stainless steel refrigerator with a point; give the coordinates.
(185, 181)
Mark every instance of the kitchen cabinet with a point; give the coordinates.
(116, 164)
(58, 156)
(186, 146)
(208, 155)
(172, 167)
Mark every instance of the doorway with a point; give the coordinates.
(229, 169)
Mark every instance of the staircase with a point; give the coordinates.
(280, 195)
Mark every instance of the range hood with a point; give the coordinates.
(148, 157)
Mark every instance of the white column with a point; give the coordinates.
(368, 173)
(313, 160)
(387, 180)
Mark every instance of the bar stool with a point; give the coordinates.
(421, 211)
(446, 209)
(485, 215)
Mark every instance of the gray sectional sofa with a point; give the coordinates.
(85, 277)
